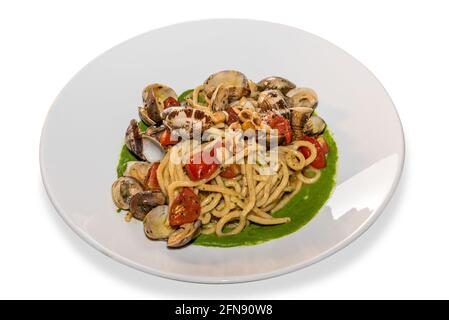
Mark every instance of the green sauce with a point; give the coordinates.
(124, 158)
(187, 93)
(301, 208)
(184, 95)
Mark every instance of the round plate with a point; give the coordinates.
(85, 126)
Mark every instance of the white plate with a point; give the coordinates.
(84, 130)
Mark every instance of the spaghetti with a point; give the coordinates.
(228, 205)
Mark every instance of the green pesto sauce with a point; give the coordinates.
(301, 208)
(184, 95)
(124, 158)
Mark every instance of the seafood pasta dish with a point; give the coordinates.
(229, 162)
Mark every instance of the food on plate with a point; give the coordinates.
(224, 159)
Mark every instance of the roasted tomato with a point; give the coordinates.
(323, 144)
(171, 102)
(166, 140)
(151, 178)
(185, 208)
(320, 160)
(202, 165)
(230, 171)
(283, 126)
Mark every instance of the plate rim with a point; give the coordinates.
(234, 279)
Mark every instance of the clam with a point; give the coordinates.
(298, 119)
(220, 99)
(137, 170)
(152, 150)
(153, 97)
(254, 93)
(273, 100)
(133, 138)
(123, 189)
(235, 83)
(155, 132)
(303, 97)
(182, 121)
(142, 202)
(186, 233)
(142, 145)
(314, 126)
(275, 83)
(145, 117)
(155, 223)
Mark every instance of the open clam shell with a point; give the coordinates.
(275, 83)
(155, 223)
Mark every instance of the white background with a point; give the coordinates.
(404, 43)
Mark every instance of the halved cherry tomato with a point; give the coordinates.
(230, 171)
(166, 139)
(185, 208)
(323, 144)
(320, 160)
(151, 178)
(202, 165)
(170, 102)
(283, 126)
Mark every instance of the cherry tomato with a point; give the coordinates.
(320, 160)
(306, 151)
(283, 126)
(323, 144)
(151, 178)
(230, 171)
(185, 208)
(202, 165)
(171, 102)
(200, 171)
(166, 139)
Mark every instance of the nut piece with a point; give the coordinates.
(219, 117)
(248, 125)
(245, 115)
(257, 120)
